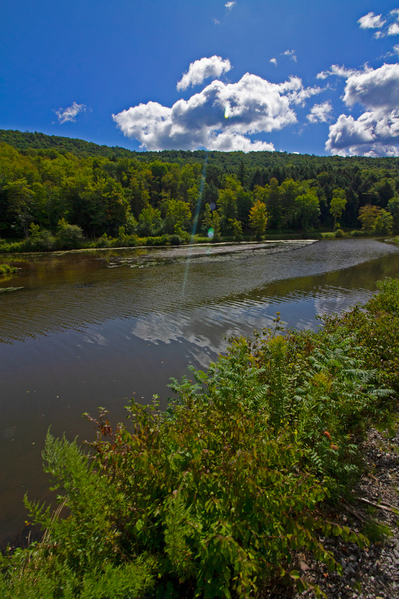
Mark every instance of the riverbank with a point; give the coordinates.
(244, 474)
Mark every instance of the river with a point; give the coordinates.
(89, 329)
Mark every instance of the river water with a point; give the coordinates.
(93, 328)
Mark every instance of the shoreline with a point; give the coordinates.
(236, 246)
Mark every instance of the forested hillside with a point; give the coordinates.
(47, 180)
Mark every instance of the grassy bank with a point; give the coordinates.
(215, 497)
(73, 239)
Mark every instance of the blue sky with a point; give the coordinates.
(261, 74)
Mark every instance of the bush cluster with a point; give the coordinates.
(6, 269)
(215, 496)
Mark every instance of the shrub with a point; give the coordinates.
(77, 555)
(69, 237)
(40, 240)
(175, 239)
(339, 233)
(161, 240)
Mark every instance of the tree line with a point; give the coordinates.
(177, 192)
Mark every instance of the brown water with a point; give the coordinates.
(91, 329)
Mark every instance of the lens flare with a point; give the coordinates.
(211, 233)
(227, 111)
(195, 222)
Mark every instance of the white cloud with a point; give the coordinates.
(376, 131)
(230, 5)
(374, 88)
(253, 105)
(216, 21)
(291, 54)
(203, 69)
(229, 142)
(70, 113)
(393, 29)
(320, 113)
(274, 61)
(395, 12)
(371, 21)
(336, 70)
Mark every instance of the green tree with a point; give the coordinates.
(258, 218)
(20, 200)
(288, 192)
(211, 223)
(245, 201)
(150, 222)
(178, 215)
(273, 203)
(393, 208)
(337, 204)
(227, 205)
(236, 228)
(368, 215)
(383, 223)
(308, 207)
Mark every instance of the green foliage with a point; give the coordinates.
(6, 269)
(308, 207)
(150, 222)
(393, 208)
(79, 556)
(368, 216)
(258, 218)
(236, 228)
(178, 216)
(338, 203)
(383, 223)
(69, 237)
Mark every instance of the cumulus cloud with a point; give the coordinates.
(230, 5)
(371, 21)
(320, 113)
(372, 134)
(69, 114)
(203, 69)
(374, 88)
(221, 116)
(376, 131)
(291, 54)
(274, 61)
(393, 29)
